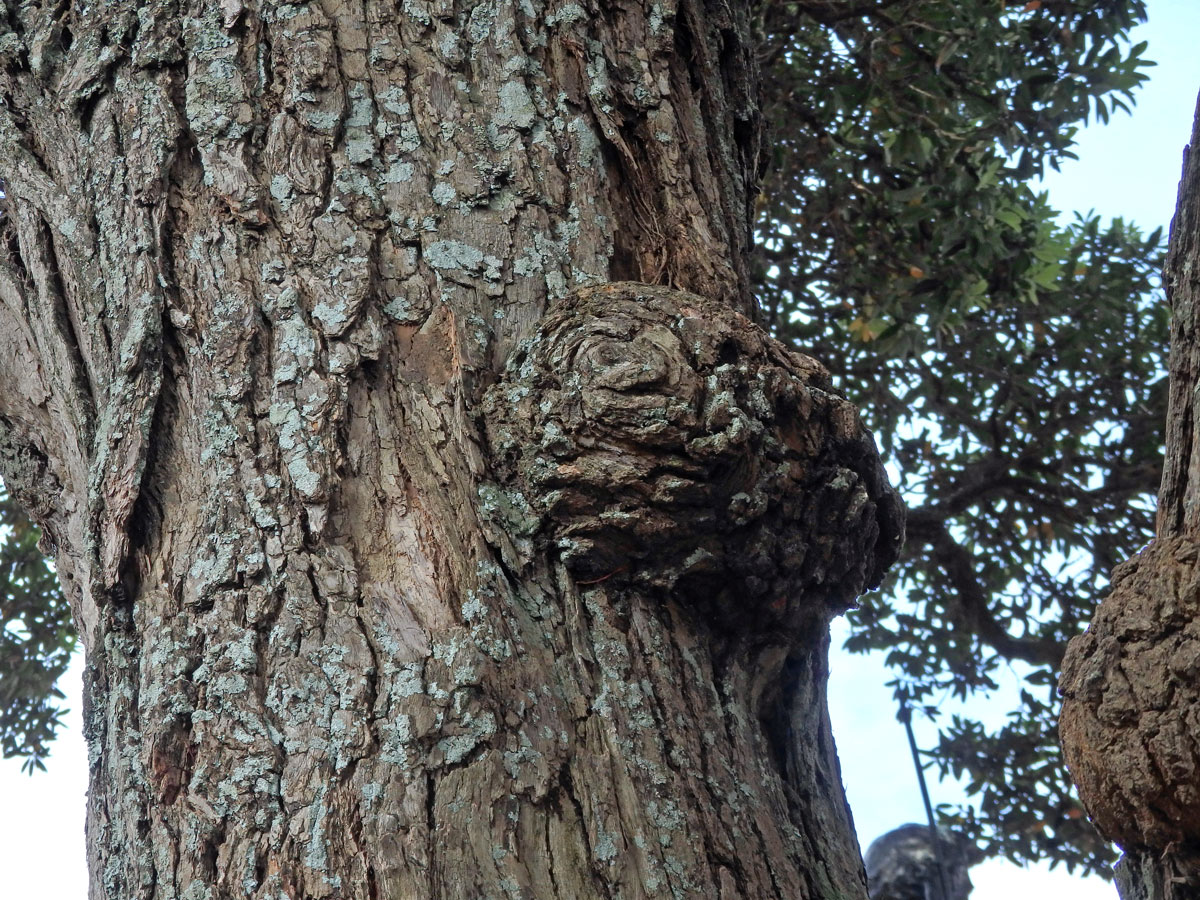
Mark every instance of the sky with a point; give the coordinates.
(1129, 168)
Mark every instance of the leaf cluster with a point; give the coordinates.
(36, 641)
(1010, 364)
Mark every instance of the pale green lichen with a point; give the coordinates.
(479, 25)
(333, 318)
(456, 748)
(228, 684)
(196, 890)
(417, 12)
(402, 311)
(454, 255)
(410, 138)
(408, 681)
(395, 100)
(605, 847)
(281, 190)
(566, 14)
(317, 857)
(516, 106)
(250, 864)
(322, 121)
(657, 18)
(360, 149)
(450, 48)
(362, 109)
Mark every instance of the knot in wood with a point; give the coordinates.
(660, 437)
(1131, 691)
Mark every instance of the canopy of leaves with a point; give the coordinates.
(36, 640)
(1010, 366)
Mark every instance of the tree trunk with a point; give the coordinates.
(1131, 692)
(437, 521)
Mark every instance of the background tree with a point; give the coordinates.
(1010, 366)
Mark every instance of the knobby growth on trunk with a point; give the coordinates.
(1131, 683)
(436, 519)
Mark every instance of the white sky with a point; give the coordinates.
(1129, 168)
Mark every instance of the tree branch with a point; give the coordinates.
(959, 566)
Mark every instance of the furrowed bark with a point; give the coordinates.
(437, 522)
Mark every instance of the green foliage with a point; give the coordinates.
(36, 640)
(1010, 366)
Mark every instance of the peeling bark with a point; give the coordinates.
(1131, 695)
(416, 552)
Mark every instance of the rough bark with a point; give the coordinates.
(1131, 684)
(417, 552)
